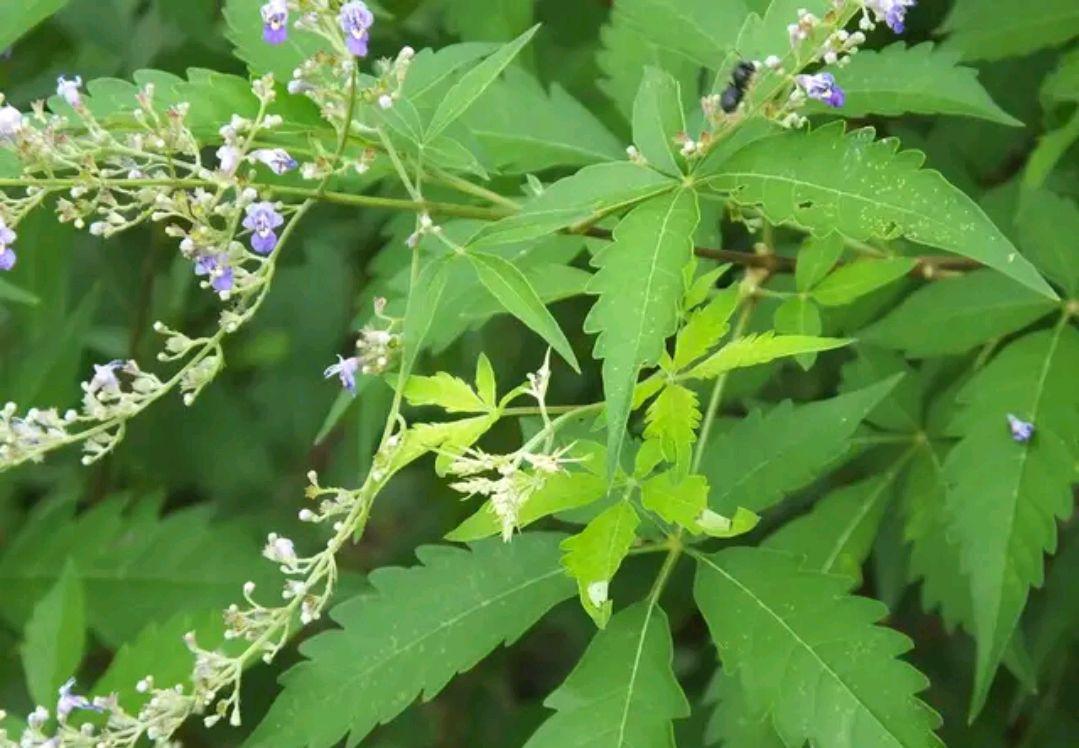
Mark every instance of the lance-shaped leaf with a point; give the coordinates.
(594, 554)
(961, 312)
(812, 655)
(673, 418)
(623, 693)
(658, 119)
(640, 285)
(765, 457)
(991, 30)
(452, 394)
(828, 180)
(857, 279)
(919, 80)
(751, 350)
(705, 327)
(473, 83)
(510, 286)
(816, 258)
(55, 637)
(419, 628)
(423, 301)
(1005, 496)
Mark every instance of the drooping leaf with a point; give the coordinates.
(419, 628)
(1005, 497)
(640, 285)
(510, 286)
(765, 457)
(592, 557)
(751, 350)
(672, 419)
(953, 315)
(55, 637)
(827, 180)
(592, 191)
(810, 654)
(658, 119)
(473, 83)
(922, 79)
(989, 30)
(623, 692)
(525, 128)
(850, 282)
(12, 293)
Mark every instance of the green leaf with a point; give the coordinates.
(799, 316)
(816, 258)
(245, 32)
(486, 385)
(1004, 497)
(640, 286)
(55, 637)
(135, 566)
(837, 535)
(592, 191)
(524, 128)
(922, 79)
(446, 437)
(658, 119)
(677, 500)
(764, 457)
(717, 526)
(751, 350)
(10, 292)
(1047, 225)
(765, 32)
(509, 285)
(416, 630)
(857, 279)
(827, 180)
(623, 692)
(18, 18)
(448, 392)
(487, 19)
(672, 419)
(1052, 147)
(473, 83)
(423, 303)
(560, 492)
(705, 327)
(593, 555)
(990, 30)
(953, 315)
(733, 723)
(1062, 85)
(811, 655)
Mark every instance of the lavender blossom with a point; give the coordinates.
(7, 254)
(274, 21)
(1022, 431)
(262, 218)
(892, 12)
(69, 702)
(69, 90)
(345, 369)
(228, 158)
(11, 122)
(822, 87)
(356, 19)
(278, 159)
(217, 268)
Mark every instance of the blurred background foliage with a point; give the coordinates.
(196, 489)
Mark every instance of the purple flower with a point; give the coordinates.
(262, 218)
(69, 702)
(69, 90)
(278, 159)
(228, 158)
(1022, 431)
(217, 268)
(345, 369)
(892, 12)
(11, 122)
(274, 21)
(7, 254)
(355, 20)
(822, 87)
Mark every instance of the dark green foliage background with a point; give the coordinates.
(242, 451)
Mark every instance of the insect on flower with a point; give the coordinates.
(741, 77)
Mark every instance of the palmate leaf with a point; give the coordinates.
(419, 628)
(55, 637)
(764, 457)
(828, 180)
(640, 286)
(991, 30)
(922, 79)
(1005, 497)
(810, 654)
(961, 312)
(593, 555)
(623, 693)
(136, 567)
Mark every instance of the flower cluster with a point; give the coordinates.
(891, 12)
(376, 347)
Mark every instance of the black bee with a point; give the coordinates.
(740, 77)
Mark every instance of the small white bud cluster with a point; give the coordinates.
(798, 32)
(840, 46)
